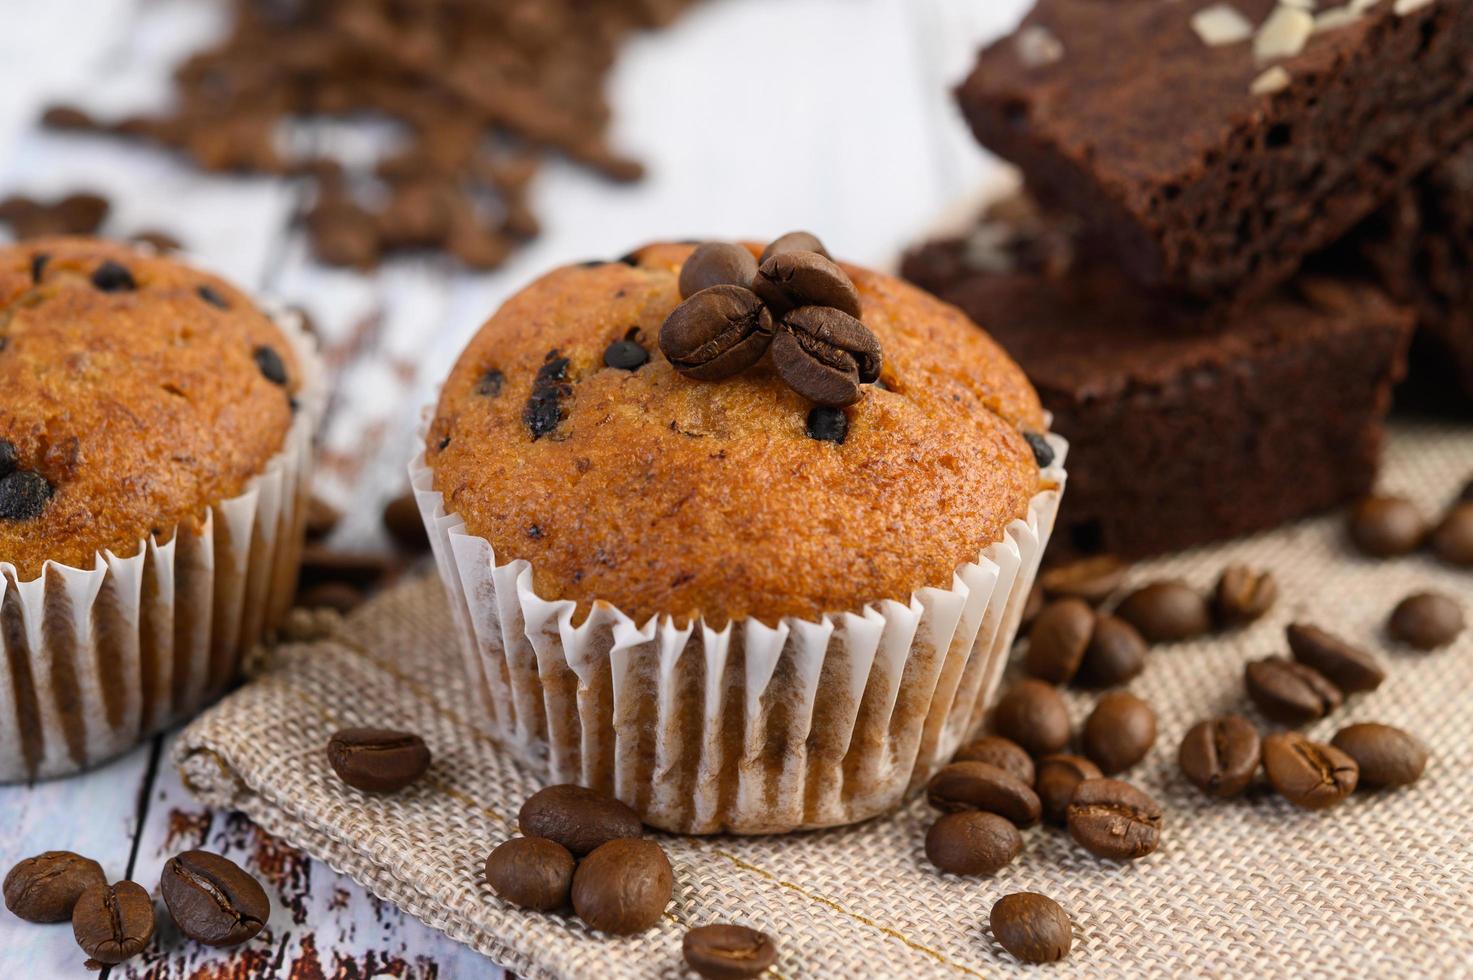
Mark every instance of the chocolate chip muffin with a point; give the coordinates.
(152, 446)
(817, 468)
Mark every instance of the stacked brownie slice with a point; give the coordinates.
(1227, 190)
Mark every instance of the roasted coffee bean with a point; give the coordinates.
(1119, 732)
(792, 279)
(1058, 776)
(491, 383)
(1387, 757)
(322, 518)
(979, 786)
(272, 367)
(543, 412)
(1032, 927)
(998, 751)
(45, 888)
(1032, 607)
(626, 355)
(1453, 538)
(361, 569)
(209, 295)
(405, 525)
(1221, 755)
(717, 264)
(1243, 595)
(1166, 612)
(377, 760)
(1289, 692)
(623, 887)
(1116, 653)
(212, 899)
(717, 333)
(337, 596)
(827, 424)
(531, 872)
(1035, 716)
(794, 241)
(110, 277)
(23, 495)
(1043, 453)
(1426, 620)
(973, 842)
(825, 355)
(1057, 641)
(1112, 819)
(113, 922)
(1092, 580)
(578, 818)
(1384, 527)
(728, 952)
(1347, 667)
(1308, 774)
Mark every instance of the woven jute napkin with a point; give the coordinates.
(1378, 886)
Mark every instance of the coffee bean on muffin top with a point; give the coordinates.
(729, 494)
(133, 400)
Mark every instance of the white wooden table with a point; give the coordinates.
(754, 116)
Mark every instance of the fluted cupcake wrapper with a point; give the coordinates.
(94, 660)
(748, 729)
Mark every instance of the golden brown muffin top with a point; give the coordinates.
(665, 495)
(136, 388)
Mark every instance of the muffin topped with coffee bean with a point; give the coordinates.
(755, 450)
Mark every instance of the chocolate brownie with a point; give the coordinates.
(1213, 144)
(1182, 432)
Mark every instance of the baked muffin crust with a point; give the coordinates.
(661, 494)
(140, 389)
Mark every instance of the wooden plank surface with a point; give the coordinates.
(754, 116)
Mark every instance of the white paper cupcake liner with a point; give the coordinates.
(93, 661)
(748, 729)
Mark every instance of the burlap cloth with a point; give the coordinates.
(1381, 886)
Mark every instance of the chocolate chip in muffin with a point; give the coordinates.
(544, 412)
(828, 424)
(23, 495)
(273, 369)
(491, 383)
(111, 277)
(210, 296)
(38, 266)
(1042, 451)
(627, 354)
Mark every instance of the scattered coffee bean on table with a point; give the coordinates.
(973, 842)
(1057, 641)
(1387, 757)
(1035, 716)
(531, 872)
(1346, 666)
(998, 751)
(979, 786)
(45, 888)
(1243, 595)
(1092, 580)
(404, 524)
(728, 952)
(337, 596)
(1116, 654)
(1119, 732)
(1058, 777)
(1220, 756)
(113, 922)
(1426, 621)
(1308, 774)
(378, 760)
(213, 900)
(578, 818)
(1032, 927)
(1385, 527)
(1289, 692)
(1166, 612)
(1453, 538)
(623, 887)
(322, 518)
(1114, 820)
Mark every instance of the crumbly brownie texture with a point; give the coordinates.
(665, 495)
(1200, 173)
(137, 392)
(1181, 436)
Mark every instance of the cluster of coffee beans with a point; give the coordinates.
(211, 899)
(1384, 526)
(341, 580)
